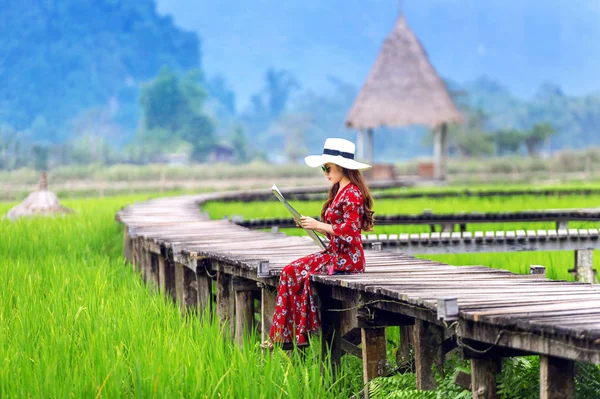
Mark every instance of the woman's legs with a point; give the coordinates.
(295, 311)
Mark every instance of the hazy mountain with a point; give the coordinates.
(519, 43)
(59, 58)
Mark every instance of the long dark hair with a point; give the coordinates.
(355, 177)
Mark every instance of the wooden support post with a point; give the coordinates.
(179, 285)
(244, 307)
(447, 227)
(374, 354)
(186, 287)
(483, 377)
(562, 225)
(428, 339)
(244, 315)
(153, 277)
(557, 378)
(584, 266)
(406, 343)
(225, 301)
(190, 296)
(331, 334)
(145, 264)
(204, 282)
(267, 308)
(127, 247)
(137, 255)
(166, 277)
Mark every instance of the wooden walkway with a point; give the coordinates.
(485, 313)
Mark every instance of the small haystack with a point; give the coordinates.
(39, 203)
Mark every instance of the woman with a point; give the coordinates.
(347, 212)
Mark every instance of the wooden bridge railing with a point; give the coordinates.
(485, 313)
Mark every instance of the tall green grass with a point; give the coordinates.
(76, 321)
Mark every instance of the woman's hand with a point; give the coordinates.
(309, 223)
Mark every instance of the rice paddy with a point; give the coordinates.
(77, 321)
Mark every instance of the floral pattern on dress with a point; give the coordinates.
(296, 313)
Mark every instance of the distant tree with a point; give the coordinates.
(240, 145)
(218, 89)
(40, 157)
(279, 85)
(508, 141)
(172, 110)
(291, 129)
(537, 136)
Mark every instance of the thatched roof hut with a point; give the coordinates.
(39, 203)
(402, 89)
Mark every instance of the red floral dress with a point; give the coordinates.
(295, 310)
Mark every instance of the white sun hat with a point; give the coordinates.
(339, 152)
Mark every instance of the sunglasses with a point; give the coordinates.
(326, 169)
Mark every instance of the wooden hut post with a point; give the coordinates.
(440, 151)
(360, 144)
(370, 146)
(557, 378)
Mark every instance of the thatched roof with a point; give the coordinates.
(402, 88)
(39, 203)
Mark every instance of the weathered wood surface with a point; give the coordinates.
(521, 312)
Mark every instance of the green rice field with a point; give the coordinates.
(77, 321)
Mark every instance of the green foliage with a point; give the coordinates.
(40, 154)
(587, 381)
(172, 110)
(539, 133)
(240, 145)
(520, 378)
(508, 141)
(61, 58)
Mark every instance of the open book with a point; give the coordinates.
(296, 215)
